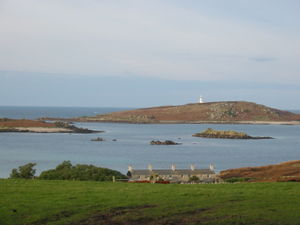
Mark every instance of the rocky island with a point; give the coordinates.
(226, 134)
(37, 126)
(211, 112)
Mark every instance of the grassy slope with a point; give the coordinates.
(59, 202)
(286, 171)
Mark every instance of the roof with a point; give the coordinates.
(172, 172)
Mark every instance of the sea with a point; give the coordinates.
(129, 144)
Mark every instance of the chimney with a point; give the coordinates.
(150, 167)
(130, 169)
(192, 167)
(173, 167)
(212, 167)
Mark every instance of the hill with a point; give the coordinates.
(38, 202)
(211, 112)
(287, 171)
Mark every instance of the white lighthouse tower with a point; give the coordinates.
(201, 100)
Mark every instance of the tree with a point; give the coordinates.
(26, 171)
(64, 165)
(14, 174)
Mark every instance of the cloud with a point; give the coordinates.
(164, 39)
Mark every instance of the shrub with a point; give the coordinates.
(26, 171)
(66, 171)
(194, 179)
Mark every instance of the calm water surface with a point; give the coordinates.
(132, 147)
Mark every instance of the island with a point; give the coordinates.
(37, 126)
(226, 112)
(226, 134)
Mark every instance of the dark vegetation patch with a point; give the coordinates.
(55, 217)
(237, 179)
(111, 217)
(121, 216)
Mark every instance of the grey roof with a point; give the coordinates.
(171, 172)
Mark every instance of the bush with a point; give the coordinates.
(66, 171)
(194, 179)
(26, 171)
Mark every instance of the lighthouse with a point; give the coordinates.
(201, 100)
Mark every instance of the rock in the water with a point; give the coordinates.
(167, 142)
(97, 139)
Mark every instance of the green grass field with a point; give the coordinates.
(76, 202)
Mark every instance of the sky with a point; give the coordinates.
(138, 53)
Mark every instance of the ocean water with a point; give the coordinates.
(132, 146)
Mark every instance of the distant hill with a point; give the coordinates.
(214, 112)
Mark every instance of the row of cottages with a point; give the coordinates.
(174, 175)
